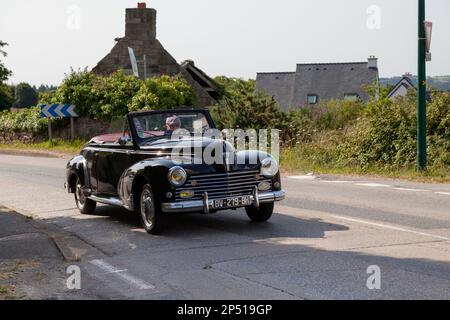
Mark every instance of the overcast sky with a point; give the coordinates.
(224, 37)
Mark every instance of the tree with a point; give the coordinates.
(115, 95)
(6, 97)
(4, 72)
(242, 106)
(25, 96)
(162, 93)
(230, 87)
(43, 88)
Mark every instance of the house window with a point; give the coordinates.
(351, 97)
(313, 98)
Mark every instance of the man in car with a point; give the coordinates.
(172, 124)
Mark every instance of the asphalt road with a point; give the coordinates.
(319, 245)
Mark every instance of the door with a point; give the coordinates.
(111, 159)
(110, 162)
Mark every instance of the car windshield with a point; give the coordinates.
(154, 126)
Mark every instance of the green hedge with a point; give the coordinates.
(103, 98)
(26, 120)
(342, 134)
(386, 134)
(108, 97)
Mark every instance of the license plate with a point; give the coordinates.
(235, 202)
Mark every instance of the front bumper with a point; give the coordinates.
(203, 205)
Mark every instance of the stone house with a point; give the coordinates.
(140, 35)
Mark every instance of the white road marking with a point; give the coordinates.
(310, 177)
(381, 225)
(412, 190)
(306, 177)
(337, 181)
(136, 282)
(373, 185)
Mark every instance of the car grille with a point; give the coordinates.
(222, 185)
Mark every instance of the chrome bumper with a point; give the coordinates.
(203, 205)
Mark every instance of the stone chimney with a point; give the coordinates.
(140, 23)
(372, 62)
(140, 35)
(408, 76)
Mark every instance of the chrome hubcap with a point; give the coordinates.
(147, 208)
(81, 199)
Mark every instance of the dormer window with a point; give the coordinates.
(313, 98)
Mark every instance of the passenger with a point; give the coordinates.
(173, 124)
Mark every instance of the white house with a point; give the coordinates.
(402, 87)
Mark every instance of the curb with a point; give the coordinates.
(32, 153)
(71, 247)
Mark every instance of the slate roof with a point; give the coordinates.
(279, 85)
(405, 82)
(326, 80)
(201, 77)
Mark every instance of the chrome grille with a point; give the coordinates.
(222, 185)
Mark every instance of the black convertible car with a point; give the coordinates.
(136, 169)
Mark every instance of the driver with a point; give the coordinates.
(173, 124)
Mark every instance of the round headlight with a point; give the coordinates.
(177, 176)
(269, 167)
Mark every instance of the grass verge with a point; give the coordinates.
(55, 146)
(319, 160)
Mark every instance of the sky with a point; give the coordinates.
(235, 38)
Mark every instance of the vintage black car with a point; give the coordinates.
(136, 169)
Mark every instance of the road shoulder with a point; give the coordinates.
(35, 153)
(34, 257)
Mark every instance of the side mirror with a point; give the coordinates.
(123, 140)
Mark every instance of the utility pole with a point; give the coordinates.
(422, 93)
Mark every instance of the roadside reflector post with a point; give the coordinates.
(72, 129)
(49, 129)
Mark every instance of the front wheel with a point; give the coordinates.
(261, 214)
(85, 205)
(152, 218)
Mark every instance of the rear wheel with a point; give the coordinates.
(261, 214)
(152, 218)
(85, 205)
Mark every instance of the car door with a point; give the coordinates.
(110, 161)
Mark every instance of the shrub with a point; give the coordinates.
(342, 134)
(26, 120)
(113, 96)
(76, 89)
(163, 93)
(243, 107)
(305, 123)
(387, 135)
